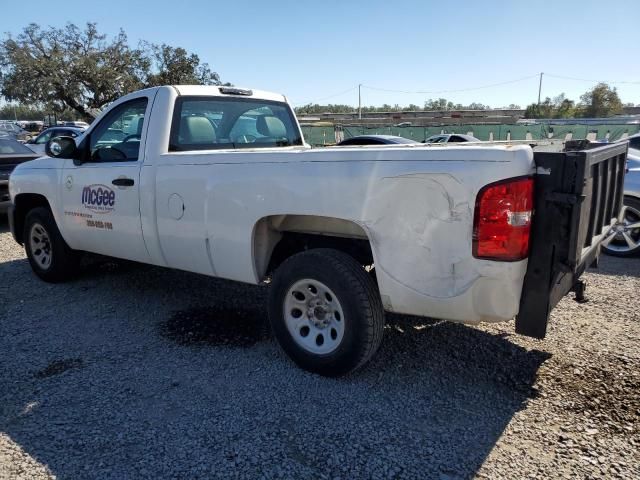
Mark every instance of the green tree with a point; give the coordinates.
(601, 101)
(559, 107)
(477, 106)
(175, 66)
(69, 67)
(83, 70)
(21, 112)
(543, 109)
(566, 109)
(439, 104)
(431, 104)
(532, 111)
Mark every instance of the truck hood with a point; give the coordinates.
(40, 163)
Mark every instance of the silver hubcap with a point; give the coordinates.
(624, 236)
(314, 316)
(40, 246)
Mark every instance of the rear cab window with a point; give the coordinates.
(210, 123)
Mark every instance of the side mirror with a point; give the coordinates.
(61, 147)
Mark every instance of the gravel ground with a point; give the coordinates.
(133, 371)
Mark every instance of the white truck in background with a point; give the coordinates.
(219, 181)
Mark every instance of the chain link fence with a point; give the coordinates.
(331, 134)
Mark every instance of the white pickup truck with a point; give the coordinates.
(219, 181)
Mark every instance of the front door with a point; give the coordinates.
(101, 196)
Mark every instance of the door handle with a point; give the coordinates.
(123, 182)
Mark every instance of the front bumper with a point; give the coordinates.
(12, 224)
(5, 199)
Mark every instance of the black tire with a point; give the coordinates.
(634, 215)
(64, 261)
(358, 296)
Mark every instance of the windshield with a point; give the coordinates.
(10, 127)
(8, 146)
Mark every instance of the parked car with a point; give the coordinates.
(634, 141)
(37, 144)
(34, 126)
(342, 234)
(12, 153)
(451, 138)
(376, 140)
(76, 124)
(10, 129)
(623, 239)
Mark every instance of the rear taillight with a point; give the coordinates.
(502, 220)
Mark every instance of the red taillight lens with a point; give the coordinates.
(502, 220)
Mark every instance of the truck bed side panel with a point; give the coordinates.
(418, 216)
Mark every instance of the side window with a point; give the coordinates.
(66, 133)
(43, 137)
(117, 137)
(208, 123)
(455, 138)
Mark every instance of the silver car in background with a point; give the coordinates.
(37, 144)
(624, 237)
(451, 138)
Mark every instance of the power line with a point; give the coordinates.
(327, 97)
(591, 81)
(507, 82)
(452, 91)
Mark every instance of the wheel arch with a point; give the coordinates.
(23, 203)
(277, 237)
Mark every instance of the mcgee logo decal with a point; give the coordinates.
(98, 198)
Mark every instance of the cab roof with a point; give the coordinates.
(228, 91)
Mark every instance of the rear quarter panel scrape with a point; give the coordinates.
(425, 217)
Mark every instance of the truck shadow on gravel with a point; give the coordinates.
(216, 326)
(159, 374)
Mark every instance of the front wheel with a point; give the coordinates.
(49, 255)
(326, 312)
(623, 240)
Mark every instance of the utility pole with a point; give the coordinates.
(540, 87)
(359, 102)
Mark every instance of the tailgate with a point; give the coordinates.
(577, 198)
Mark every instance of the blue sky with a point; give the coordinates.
(313, 51)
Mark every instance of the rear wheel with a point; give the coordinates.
(326, 312)
(623, 240)
(49, 255)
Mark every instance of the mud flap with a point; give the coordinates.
(578, 195)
